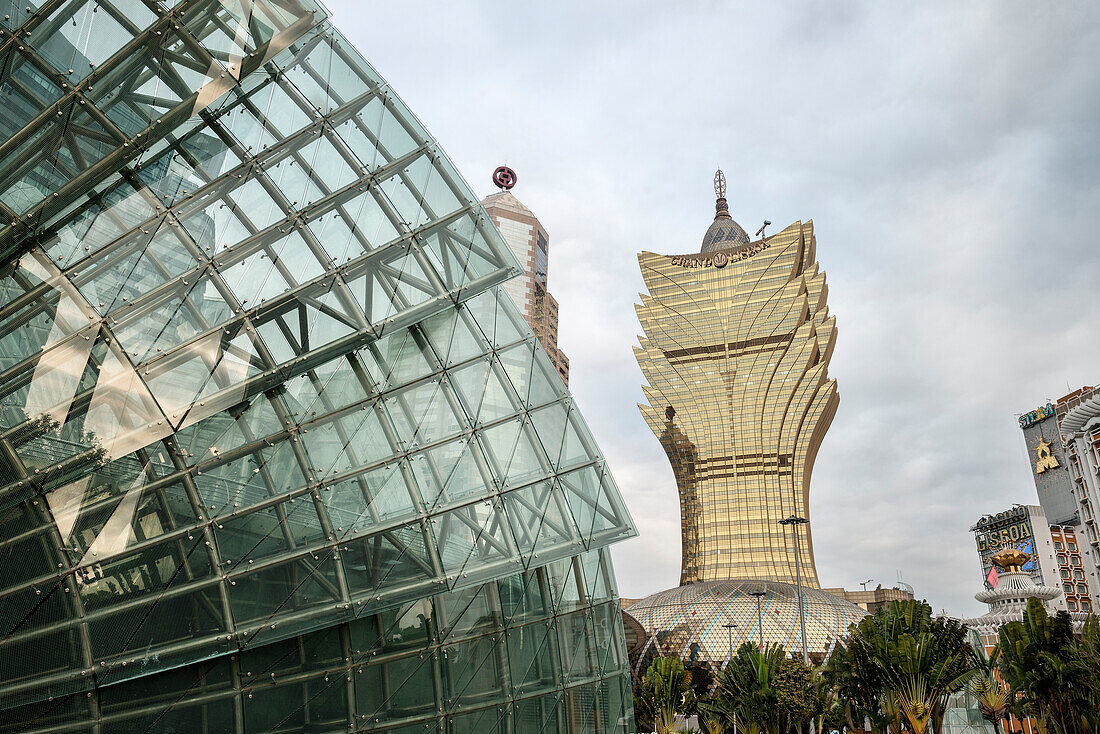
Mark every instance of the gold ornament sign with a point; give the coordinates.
(1044, 458)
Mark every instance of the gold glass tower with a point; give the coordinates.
(736, 349)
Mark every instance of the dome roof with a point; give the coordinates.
(723, 232)
(688, 620)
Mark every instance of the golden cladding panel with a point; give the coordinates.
(735, 354)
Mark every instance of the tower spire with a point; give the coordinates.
(721, 208)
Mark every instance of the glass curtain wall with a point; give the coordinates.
(276, 453)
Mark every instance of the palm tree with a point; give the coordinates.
(990, 693)
(711, 723)
(1088, 661)
(1039, 661)
(899, 667)
(665, 693)
(745, 692)
(927, 675)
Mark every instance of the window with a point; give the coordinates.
(1072, 546)
(1058, 545)
(1065, 573)
(1077, 574)
(541, 258)
(1076, 560)
(1086, 605)
(1068, 588)
(1061, 559)
(1071, 604)
(1082, 590)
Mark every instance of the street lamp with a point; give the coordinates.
(795, 521)
(864, 583)
(729, 628)
(759, 618)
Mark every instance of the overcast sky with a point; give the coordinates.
(947, 153)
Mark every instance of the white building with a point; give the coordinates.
(1079, 424)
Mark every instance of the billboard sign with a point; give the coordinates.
(1006, 530)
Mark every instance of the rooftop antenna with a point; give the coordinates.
(760, 232)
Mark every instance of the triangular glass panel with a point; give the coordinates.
(514, 456)
(485, 721)
(471, 541)
(550, 425)
(533, 656)
(451, 337)
(474, 671)
(466, 611)
(562, 579)
(575, 449)
(377, 497)
(390, 563)
(456, 465)
(523, 598)
(498, 400)
(469, 383)
(538, 522)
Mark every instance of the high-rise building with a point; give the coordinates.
(1079, 425)
(1049, 468)
(530, 244)
(736, 354)
(276, 452)
(736, 351)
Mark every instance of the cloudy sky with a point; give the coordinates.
(947, 153)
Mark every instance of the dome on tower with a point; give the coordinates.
(724, 233)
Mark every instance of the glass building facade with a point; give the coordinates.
(276, 451)
(735, 353)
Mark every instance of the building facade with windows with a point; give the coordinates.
(530, 243)
(736, 347)
(1077, 579)
(1079, 425)
(277, 453)
(1049, 467)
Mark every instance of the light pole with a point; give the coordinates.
(759, 618)
(864, 583)
(729, 628)
(795, 521)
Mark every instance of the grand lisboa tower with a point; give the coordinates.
(736, 349)
(277, 454)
